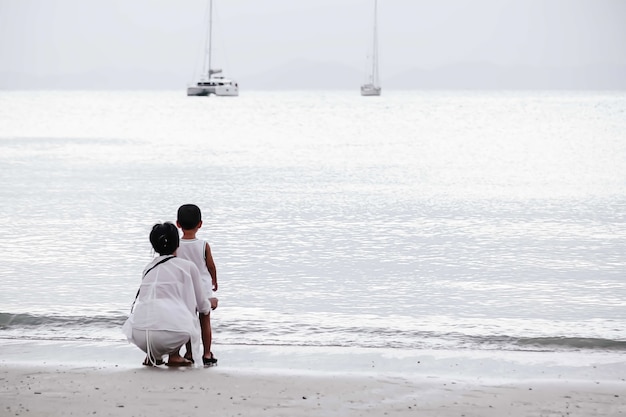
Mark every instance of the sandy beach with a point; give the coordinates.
(248, 382)
(63, 391)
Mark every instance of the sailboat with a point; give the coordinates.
(211, 81)
(372, 85)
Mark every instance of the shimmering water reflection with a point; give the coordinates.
(421, 220)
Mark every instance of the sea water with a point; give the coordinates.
(441, 220)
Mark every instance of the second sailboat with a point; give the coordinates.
(372, 84)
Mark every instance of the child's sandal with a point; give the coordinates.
(209, 361)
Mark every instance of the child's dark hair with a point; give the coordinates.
(189, 216)
(164, 238)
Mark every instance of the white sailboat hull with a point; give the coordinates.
(370, 90)
(215, 90)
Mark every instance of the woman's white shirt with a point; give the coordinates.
(169, 298)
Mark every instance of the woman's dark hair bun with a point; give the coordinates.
(164, 238)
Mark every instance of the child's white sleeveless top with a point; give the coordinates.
(193, 250)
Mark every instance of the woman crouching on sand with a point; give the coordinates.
(164, 315)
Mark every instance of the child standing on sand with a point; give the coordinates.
(198, 251)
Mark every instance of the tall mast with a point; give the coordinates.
(375, 52)
(210, 33)
(207, 43)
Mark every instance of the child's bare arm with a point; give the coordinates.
(210, 264)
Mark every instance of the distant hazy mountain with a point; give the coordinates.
(303, 74)
(488, 76)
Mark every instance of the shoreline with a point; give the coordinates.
(469, 364)
(64, 378)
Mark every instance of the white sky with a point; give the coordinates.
(71, 36)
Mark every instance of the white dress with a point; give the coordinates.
(169, 297)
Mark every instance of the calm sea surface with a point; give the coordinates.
(419, 220)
